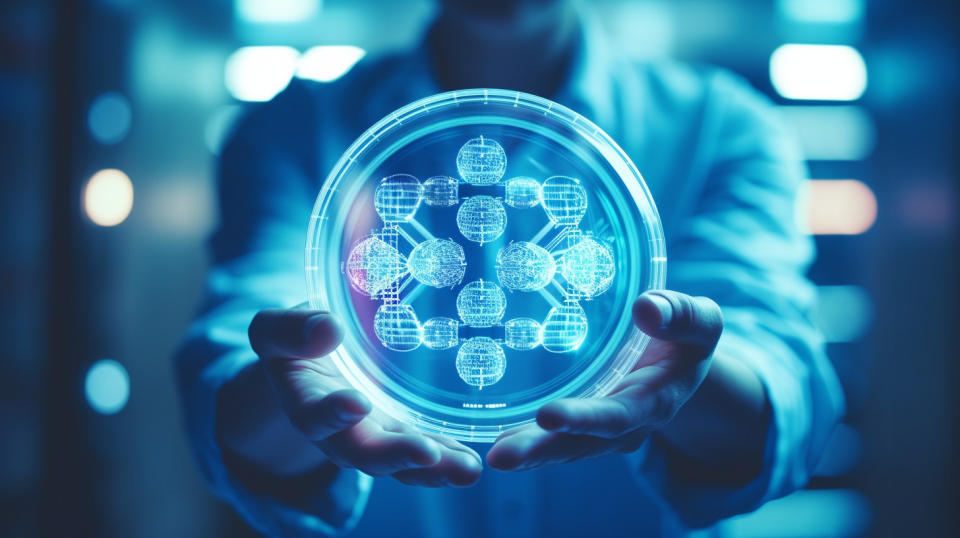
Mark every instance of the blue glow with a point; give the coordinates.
(441, 191)
(564, 199)
(588, 266)
(276, 11)
(482, 219)
(525, 266)
(109, 118)
(522, 192)
(481, 304)
(564, 329)
(822, 11)
(397, 327)
(818, 72)
(833, 512)
(481, 362)
(844, 313)
(439, 263)
(441, 333)
(398, 197)
(107, 386)
(832, 133)
(521, 333)
(481, 161)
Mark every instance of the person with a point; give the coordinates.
(728, 408)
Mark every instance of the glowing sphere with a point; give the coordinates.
(439, 263)
(588, 266)
(442, 191)
(397, 327)
(564, 199)
(481, 304)
(525, 266)
(481, 219)
(481, 362)
(522, 334)
(440, 333)
(564, 329)
(397, 198)
(373, 265)
(481, 161)
(522, 192)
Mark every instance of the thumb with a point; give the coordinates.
(294, 334)
(676, 317)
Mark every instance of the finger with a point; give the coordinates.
(458, 467)
(608, 417)
(319, 418)
(296, 334)
(377, 452)
(535, 447)
(675, 317)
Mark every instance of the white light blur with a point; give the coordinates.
(276, 11)
(844, 313)
(832, 133)
(836, 207)
(260, 73)
(822, 11)
(107, 386)
(109, 118)
(818, 72)
(328, 63)
(108, 197)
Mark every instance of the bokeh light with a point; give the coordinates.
(838, 207)
(109, 118)
(329, 62)
(818, 72)
(108, 197)
(276, 11)
(259, 73)
(107, 386)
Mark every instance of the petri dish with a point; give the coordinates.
(483, 248)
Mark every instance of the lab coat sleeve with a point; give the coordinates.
(739, 243)
(267, 180)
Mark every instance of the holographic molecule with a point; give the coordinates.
(481, 304)
(564, 329)
(441, 191)
(588, 266)
(441, 333)
(524, 266)
(397, 327)
(564, 199)
(522, 334)
(393, 264)
(481, 161)
(481, 362)
(481, 219)
(373, 266)
(397, 198)
(521, 192)
(438, 263)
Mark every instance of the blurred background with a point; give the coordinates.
(112, 113)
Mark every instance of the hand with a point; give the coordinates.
(319, 402)
(685, 331)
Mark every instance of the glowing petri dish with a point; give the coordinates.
(556, 317)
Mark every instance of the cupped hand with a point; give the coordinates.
(293, 347)
(684, 333)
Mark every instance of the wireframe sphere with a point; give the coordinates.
(588, 266)
(522, 192)
(439, 263)
(398, 197)
(397, 327)
(373, 265)
(564, 329)
(481, 161)
(522, 197)
(522, 333)
(441, 333)
(481, 303)
(525, 266)
(441, 191)
(481, 362)
(564, 199)
(482, 218)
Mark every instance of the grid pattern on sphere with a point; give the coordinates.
(564, 328)
(588, 266)
(481, 362)
(521, 333)
(440, 333)
(525, 266)
(439, 263)
(373, 265)
(481, 219)
(481, 304)
(522, 192)
(564, 200)
(441, 191)
(398, 197)
(397, 327)
(482, 161)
